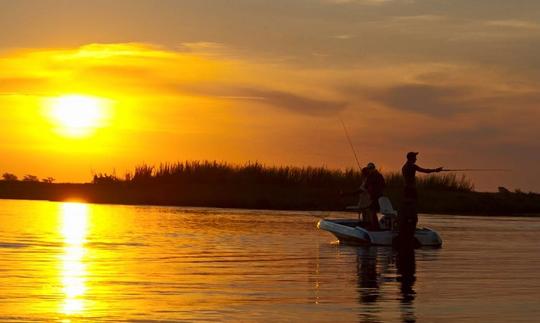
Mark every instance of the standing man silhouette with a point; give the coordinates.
(408, 216)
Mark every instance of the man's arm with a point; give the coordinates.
(358, 191)
(428, 170)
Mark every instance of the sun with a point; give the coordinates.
(78, 115)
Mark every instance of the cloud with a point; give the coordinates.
(291, 102)
(420, 18)
(206, 48)
(515, 24)
(297, 103)
(430, 100)
(343, 36)
(13, 85)
(132, 70)
(367, 2)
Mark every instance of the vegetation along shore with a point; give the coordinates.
(255, 186)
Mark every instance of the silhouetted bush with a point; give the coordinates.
(30, 178)
(101, 178)
(9, 177)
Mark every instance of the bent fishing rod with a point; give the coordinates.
(350, 143)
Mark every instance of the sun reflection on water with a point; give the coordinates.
(73, 272)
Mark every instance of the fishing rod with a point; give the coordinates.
(350, 143)
(477, 170)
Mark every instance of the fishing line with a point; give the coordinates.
(477, 170)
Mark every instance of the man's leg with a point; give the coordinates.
(407, 224)
(367, 219)
(374, 220)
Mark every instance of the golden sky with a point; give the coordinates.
(250, 80)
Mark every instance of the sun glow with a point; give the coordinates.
(77, 115)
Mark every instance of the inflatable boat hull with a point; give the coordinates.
(350, 231)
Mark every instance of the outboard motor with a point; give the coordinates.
(389, 218)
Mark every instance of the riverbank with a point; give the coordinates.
(253, 186)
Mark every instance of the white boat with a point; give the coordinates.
(351, 231)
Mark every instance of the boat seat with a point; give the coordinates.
(389, 219)
(386, 206)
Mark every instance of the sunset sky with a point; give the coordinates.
(268, 81)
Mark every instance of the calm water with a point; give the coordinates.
(71, 262)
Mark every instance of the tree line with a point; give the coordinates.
(10, 177)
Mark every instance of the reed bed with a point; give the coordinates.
(259, 174)
(257, 186)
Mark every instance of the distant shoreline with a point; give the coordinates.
(75, 200)
(431, 202)
(256, 186)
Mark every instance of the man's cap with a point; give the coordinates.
(371, 166)
(411, 155)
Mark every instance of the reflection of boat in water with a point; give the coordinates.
(383, 278)
(377, 266)
(352, 231)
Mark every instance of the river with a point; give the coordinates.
(84, 262)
